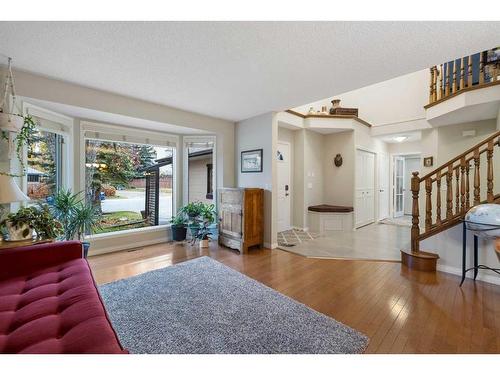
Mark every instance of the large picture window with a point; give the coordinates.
(132, 184)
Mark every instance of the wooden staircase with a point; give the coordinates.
(460, 182)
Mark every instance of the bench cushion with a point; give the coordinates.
(330, 208)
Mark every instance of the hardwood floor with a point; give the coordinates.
(401, 311)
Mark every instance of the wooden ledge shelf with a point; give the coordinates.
(350, 117)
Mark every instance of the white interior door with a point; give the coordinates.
(365, 188)
(399, 183)
(412, 164)
(284, 188)
(383, 193)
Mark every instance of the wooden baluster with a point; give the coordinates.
(469, 80)
(441, 87)
(462, 184)
(481, 68)
(431, 85)
(447, 83)
(438, 198)
(462, 74)
(457, 190)
(415, 229)
(434, 85)
(454, 87)
(477, 190)
(449, 192)
(428, 204)
(467, 186)
(489, 177)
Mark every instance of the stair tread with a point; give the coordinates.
(422, 254)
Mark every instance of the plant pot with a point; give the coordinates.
(194, 229)
(20, 232)
(10, 122)
(178, 232)
(203, 243)
(86, 246)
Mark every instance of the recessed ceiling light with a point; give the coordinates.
(400, 138)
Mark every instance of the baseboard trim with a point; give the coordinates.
(112, 249)
(470, 275)
(269, 245)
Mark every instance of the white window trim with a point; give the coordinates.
(66, 131)
(185, 168)
(155, 138)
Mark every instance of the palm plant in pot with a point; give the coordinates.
(77, 216)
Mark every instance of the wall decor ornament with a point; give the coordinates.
(251, 161)
(335, 105)
(338, 160)
(428, 162)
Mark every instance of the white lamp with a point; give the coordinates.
(9, 191)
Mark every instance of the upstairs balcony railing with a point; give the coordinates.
(467, 73)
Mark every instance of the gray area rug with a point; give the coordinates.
(202, 306)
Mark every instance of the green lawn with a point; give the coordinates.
(115, 221)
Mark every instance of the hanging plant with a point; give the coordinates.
(22, 138)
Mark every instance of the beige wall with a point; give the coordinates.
(339, 181)
(260, 132)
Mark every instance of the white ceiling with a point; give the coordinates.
(236, 70)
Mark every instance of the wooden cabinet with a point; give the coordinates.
(241, 217)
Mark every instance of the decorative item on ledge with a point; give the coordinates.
(337, 110)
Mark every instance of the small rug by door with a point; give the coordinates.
(292, 237)
(202, 306)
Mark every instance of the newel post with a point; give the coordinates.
(415, 229)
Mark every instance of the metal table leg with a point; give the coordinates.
(464, 252)
(476, 269)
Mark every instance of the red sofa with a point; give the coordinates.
(49, 302)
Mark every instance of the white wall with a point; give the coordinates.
(288, 136)
(396, 100)
(339, 181)
(260, 132)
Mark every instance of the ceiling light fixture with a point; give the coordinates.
(400, 138)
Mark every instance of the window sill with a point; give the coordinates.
(157, 228)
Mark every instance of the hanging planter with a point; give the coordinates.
(9, 120)
(13, 122)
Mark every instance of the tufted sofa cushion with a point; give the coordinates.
(55, 309)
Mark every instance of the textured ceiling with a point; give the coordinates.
(236, 70)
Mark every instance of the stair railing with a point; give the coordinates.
(462, 177)
(469, 72)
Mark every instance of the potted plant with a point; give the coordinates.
(204, 235)
(178, 226)
(19, 225)
(76, 216)
(85, 219)
(207, 219)
(192, 210)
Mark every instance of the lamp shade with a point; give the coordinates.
(9, 191)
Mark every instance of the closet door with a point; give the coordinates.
(365, 188)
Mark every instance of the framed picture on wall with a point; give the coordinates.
(251, 161)
(428, 162)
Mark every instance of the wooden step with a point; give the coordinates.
(420, 260)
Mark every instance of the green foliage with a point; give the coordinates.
(24, 137)
(41, 155)
(145, 157)
(179, 220)
(76, 216)
(201, 217)
(38, 218)
(192, 209)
